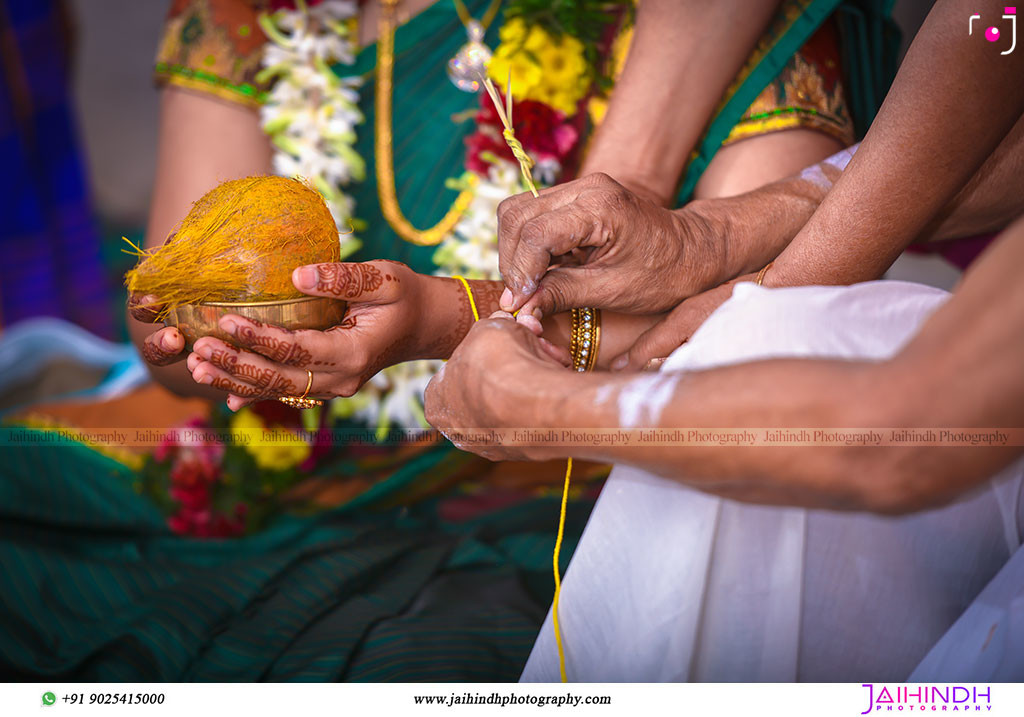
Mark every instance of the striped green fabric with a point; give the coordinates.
(94, 587)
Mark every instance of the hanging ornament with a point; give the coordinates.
(470, 62)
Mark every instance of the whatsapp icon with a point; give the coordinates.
(49, 698)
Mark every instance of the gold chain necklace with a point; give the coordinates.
(383, 140)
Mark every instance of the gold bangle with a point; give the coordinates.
(760, 274)
(302, 401)
(585, 338)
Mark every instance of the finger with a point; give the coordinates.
(502, 315)
(144, 308)
(558, 353)
(274, 385)
(657, 342)
(301, 348)
(654, 364)
(564, 288)
(246, 366)
(544, 238)
(371, 282)
(236, 403)
(164, 347)
(531, 320)
(514, 212)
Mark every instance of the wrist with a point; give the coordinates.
(704, 238)
(442, 318)
(754, 228)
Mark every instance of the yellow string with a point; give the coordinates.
(469, 293)
(561, 519)
(509, 133)
(525, 164)
(558, 579)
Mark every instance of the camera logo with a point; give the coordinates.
(993, 33)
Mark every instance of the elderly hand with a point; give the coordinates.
(615, 250)
(381, 328)
(655, 344)
(493, 381)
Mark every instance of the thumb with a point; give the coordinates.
(657, 342)
(371, 282)
(564, 288)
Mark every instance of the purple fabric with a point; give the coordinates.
(50, 255)
(959, 252)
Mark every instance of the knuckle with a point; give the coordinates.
(534, 231)
(555, 295)
(510, 215)
(504, 206)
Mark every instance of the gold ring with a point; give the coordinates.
(302, 401)
(760, 274)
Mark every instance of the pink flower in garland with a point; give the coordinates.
(544, 132)
(195, 469)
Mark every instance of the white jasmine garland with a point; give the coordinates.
(311, 113)
(311, 116)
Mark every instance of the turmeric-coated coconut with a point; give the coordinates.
(240, 242)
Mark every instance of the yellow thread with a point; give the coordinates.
(558, 579)
(509, 133)
(561, 518)
(469, 293)
(525, 163)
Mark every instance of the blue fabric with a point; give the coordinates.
(29, 346)
(51, 261)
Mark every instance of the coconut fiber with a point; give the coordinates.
(240, 242)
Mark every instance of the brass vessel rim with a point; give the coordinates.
(278, 302)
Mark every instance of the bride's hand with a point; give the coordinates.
(164, 346)
(380, 328)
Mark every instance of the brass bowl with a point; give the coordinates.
(307, 312)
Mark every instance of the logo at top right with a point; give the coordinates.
(993, 34)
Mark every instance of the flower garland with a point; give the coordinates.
(311, 113)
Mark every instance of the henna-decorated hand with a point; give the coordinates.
(383, 326)
(500, 376)
(164, 346)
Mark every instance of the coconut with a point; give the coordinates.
(240, 242)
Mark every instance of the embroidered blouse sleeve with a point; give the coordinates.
(214, 46)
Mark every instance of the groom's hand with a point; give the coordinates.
(500, 377)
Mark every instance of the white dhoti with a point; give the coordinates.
(669, 583)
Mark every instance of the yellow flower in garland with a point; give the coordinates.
(513, 33)
(274, 449)
(543, 68)
(526, 74)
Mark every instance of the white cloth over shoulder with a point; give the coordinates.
(669, 583)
